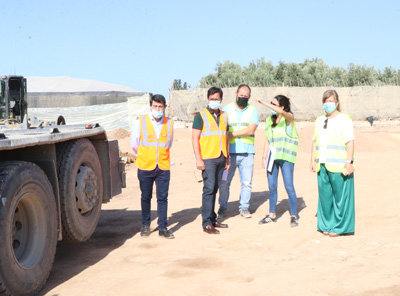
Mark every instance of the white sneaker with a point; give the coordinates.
(245, 213)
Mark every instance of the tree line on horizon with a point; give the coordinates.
(310, 73)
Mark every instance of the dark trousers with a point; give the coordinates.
(146, 180)
(212, 176)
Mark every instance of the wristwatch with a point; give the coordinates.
(350, 161)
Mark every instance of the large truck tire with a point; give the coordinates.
(81, 188)
(28, 228)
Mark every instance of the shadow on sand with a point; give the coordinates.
(113, 229)
(117, 226)
(258, 199)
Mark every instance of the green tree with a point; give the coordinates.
(314, 72)
(177, 85)
(209, 80)
(388, 76)
(229, 74)
(361, 75)
(279, 72)
(293, 75)
(337, 76)
(260, 73)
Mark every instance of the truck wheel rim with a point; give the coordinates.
(28, 230)
(86, 189)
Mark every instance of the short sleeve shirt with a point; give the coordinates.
(198, 120)
(339, 122)
(239, 146)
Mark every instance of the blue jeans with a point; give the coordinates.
(212, 176)
(287, 173)
(146, 181)
(245, 163)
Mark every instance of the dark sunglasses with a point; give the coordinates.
(326, 123)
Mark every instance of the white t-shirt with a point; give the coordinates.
(157, 125)
(334, 125)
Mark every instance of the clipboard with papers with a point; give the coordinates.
(269, 161)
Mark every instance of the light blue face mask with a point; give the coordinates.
(329, 107)
(157, 114)
(214, 104)
(273, 112)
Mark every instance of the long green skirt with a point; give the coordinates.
(335, 202)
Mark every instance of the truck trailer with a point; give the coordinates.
(54, 178)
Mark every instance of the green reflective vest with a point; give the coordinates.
(236, 125)
(285, 145)
(336, 150)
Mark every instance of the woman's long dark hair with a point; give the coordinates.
(283, 101)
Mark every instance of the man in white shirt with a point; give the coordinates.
(151, 141)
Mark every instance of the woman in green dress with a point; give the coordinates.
(332, 157)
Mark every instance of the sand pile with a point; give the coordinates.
(118, 134)
(123, 137)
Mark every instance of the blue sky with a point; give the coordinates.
(145, 45)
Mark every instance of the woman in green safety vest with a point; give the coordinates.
(332, 158)
(281, 140)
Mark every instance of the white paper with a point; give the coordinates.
(269, 161)
(225, 175)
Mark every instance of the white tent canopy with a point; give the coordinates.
(68, 84)
(85, 101)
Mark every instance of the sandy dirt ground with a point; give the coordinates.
(247, 258)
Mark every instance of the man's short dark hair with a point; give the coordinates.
(159, 99)
(243, 85)
(214, 90)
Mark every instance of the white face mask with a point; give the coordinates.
(157, 114)
(214, 104)
(329, 107)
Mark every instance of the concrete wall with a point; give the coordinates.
(382, 102)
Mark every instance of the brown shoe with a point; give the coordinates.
(218, 224)
(210, 229)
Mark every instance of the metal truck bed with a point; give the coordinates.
(20, 138)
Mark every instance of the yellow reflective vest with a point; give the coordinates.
(153, 151)
(213, 136)
(236, 125)
(285, 145)
(336, 152)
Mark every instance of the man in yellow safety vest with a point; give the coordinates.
(210, 146)
(243, 122)
(151, 141)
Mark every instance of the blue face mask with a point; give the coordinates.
(329, 107)
(214, 104)
(157, 114)
(273, 112)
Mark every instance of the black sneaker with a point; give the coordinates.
(267, 219)
(145, 231)
(294, 222)
(166, 233)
